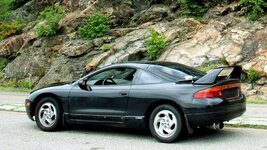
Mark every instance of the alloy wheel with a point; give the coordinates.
(165, 123)
(47, 114)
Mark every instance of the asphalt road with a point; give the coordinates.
(18, 132)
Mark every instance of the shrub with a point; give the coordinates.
(193, 7)
(95, 26)
(255, 8)
(155, 44)
(10, 28)
(253, 75)
(49, 19)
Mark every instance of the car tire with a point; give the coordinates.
(48, 114)
(165, 123)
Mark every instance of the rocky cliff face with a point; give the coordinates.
(223, 34)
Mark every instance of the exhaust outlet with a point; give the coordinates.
(218, 126)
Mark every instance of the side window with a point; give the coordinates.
(115, 76)
(175, 74)
(148, 78)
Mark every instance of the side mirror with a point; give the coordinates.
(84, 86)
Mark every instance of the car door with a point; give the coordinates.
(107, 100)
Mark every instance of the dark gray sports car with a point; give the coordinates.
(164, 97)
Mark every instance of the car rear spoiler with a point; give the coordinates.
(221, 73)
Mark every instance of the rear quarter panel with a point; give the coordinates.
(142, 96)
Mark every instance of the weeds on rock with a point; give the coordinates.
(193, 8)
(17, 3)
(207, 67)
(95, 26)
(2, 75)
(48, 21)
(253, 75)
(5, 9)
(155, 44)
(10, 28)
(255, 8)
(105, 47)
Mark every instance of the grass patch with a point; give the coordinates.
(256, 101)
(247, 126)
(15, 89)
(19, 86)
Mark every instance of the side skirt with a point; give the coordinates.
(136, 122)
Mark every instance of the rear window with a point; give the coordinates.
(174, 72)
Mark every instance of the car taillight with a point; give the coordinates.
(216, 91)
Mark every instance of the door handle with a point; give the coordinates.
(124, 93)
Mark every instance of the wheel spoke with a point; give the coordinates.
(49, 120)
(158, 119)
(161, 130)
(43, 119)
(51, 109)
(168, 130)
(43, 109)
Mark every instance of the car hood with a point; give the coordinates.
(53, 85)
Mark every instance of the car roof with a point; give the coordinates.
(144, 64)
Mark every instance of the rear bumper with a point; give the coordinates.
(217, 113)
